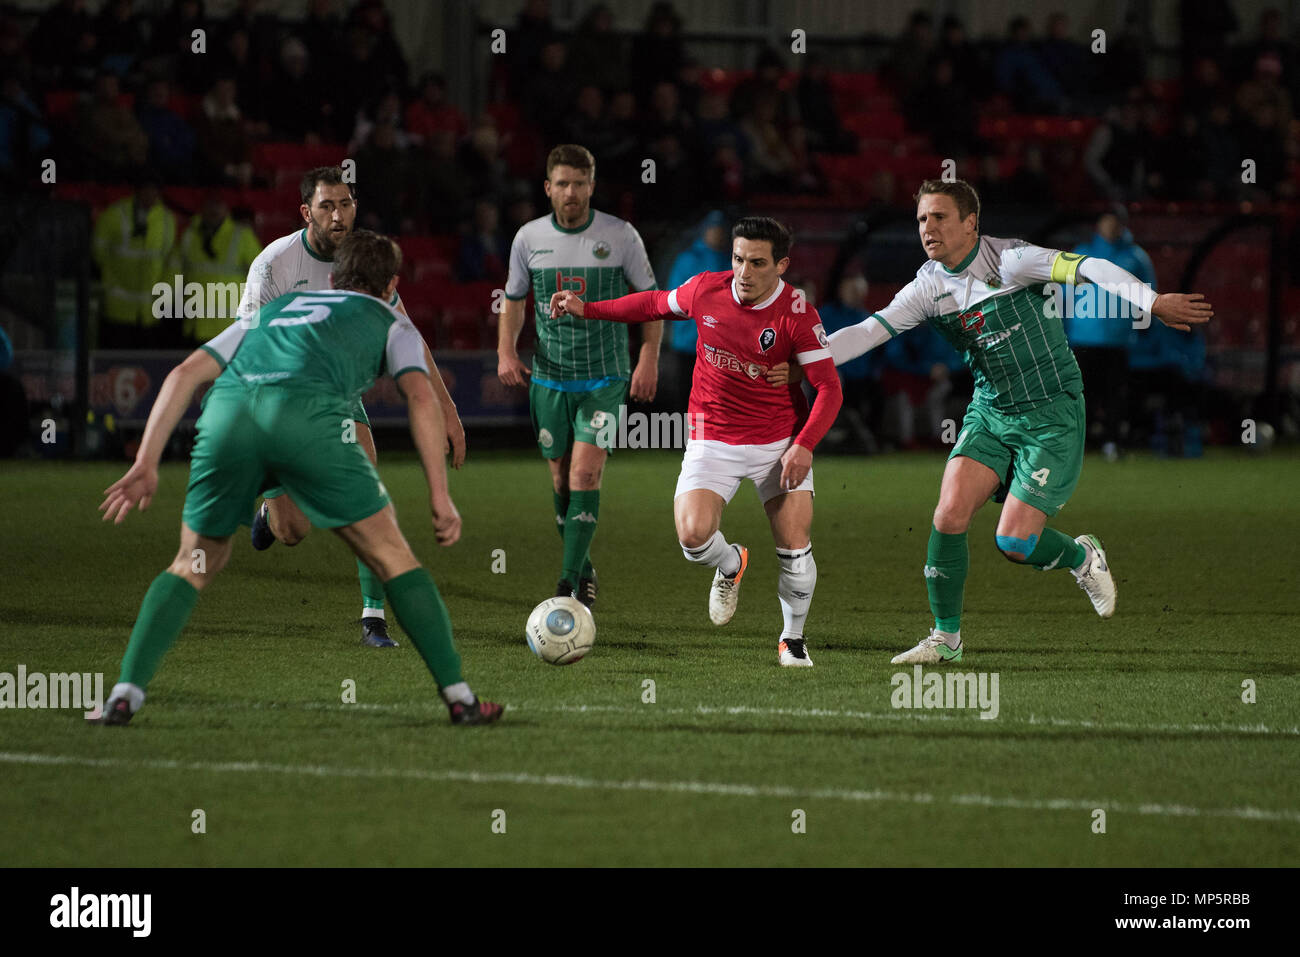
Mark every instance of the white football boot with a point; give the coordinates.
(793, 653)
(932, 650)
(1094, 576)
(726, 590)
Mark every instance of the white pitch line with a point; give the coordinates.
(905, 715)
(712, 788)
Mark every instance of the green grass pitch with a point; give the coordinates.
(1141, 716)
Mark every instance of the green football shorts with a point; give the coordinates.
(252, 438)
(357, 414)
(1038, 454)
(562, 418)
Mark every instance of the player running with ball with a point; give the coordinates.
(283, 384)
(303, 261)
(741, 428)
(1022, 438)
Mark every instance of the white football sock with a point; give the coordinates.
(950, 638)
(133, 694)
(794, 587)
(716, 553)
(372, 612)
(458, 692)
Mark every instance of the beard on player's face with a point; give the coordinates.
(328, 230)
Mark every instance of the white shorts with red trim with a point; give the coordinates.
(720, 468)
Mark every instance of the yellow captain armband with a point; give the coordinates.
(1065, 267)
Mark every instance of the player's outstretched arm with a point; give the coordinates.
(510, 369)
(1177, 310)
(634, 307)
(430, 435)
(846, 344)
(137, 486)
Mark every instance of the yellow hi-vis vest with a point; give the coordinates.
(132, 265)
(219, 280)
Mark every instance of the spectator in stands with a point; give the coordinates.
(63, 46)
(110, 135)
(710, 252)
(1176, 165)
(599, 55)
(171, 46)
(767, 85)
(24, 133)
(238, 61)
(587, 124)
(1022, 75)
(954, 130)
(1115, 156)
(620, 163)
(533, 31)
(1270, 38)
(372, 17)
(298, 107)
(171, 140)
(224, 143)
(817, 110)
(659, 51)
(917, 380)
(432, 111)
(440, 183)
(665, 117)
(860, 377)
(484, 252)
(1204, 30)
(1262, 133)
(1203, 88)
(121, 36)
(969, 64)
(133, 241)
(772, 163)
(905, 70)
(1067, 60)
(214, 250)
(1100, 330)
(360, 76)
(385, 162)
(320, 31)
(387, 110)
(677, 182)
(714, 126)
(482, 169)
(1222, 153)
(259, 28)
(1030, 182)
(1265, 89)
(550, 94)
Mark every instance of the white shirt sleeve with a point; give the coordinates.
(910, 307)
(520, 279)
(1118, 282)
(225, 344)
(636, 264)
(1031, 264)
(405, 349)
(260, 288)
(849, 343)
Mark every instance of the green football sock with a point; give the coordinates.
(372, 588)
(579, 529)
(947, 559)
(561, 511)
(1056, 550)
(163, 614)
(421, 613)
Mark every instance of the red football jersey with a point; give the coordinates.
(730, 400)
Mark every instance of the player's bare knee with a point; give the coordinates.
(584, 480)
(949, 520)
(693, 532)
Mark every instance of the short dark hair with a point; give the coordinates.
(765, 228)
(329, 175)
(365, 262)
(962, 193)
(571, 154)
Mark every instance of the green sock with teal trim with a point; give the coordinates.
(1056, 550)
(372, 589)
(947, 560)
(163, 614)
(579, 530)
(423, 616)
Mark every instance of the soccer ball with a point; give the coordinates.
(560, 631)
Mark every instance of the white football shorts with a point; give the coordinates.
(721, 468)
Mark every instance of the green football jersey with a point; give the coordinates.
(333, 343)
(603, 259)
(996, 309)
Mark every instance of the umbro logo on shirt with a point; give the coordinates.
(710, 322)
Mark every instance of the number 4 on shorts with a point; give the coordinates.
(1040, 476)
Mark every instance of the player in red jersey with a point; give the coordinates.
(740, 427)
